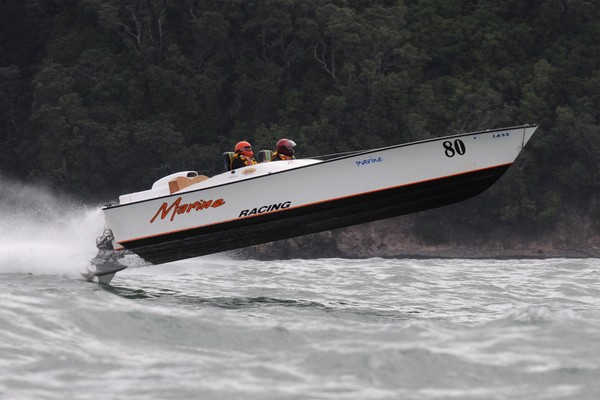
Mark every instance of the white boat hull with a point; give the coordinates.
(279, 200)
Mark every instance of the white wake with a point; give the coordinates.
(42, 232)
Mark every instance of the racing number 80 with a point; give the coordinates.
(453, 148)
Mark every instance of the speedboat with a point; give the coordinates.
(186, 214)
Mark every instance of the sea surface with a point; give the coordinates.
(221, 327)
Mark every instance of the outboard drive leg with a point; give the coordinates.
(107, 260)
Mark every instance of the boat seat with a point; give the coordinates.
(264, 156)
(261, 156)
(227, 157)
(181, 182)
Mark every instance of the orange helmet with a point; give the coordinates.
(244, 148)
(286, 147)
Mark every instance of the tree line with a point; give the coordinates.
(102, 97)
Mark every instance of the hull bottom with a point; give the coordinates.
(315, 218)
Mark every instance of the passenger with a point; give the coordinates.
(243, 155)
(284, 151)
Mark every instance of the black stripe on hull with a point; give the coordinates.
(315, 218)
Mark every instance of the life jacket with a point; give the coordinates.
(244, 159)
(277, 156)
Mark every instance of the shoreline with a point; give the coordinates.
(395, 238)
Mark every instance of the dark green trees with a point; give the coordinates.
(104, 97)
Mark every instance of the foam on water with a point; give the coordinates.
(45, 233)
(319, 329)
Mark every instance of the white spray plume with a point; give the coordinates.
(45, 233)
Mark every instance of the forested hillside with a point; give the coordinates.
(101, 97)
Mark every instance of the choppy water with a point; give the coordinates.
(220, 328)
